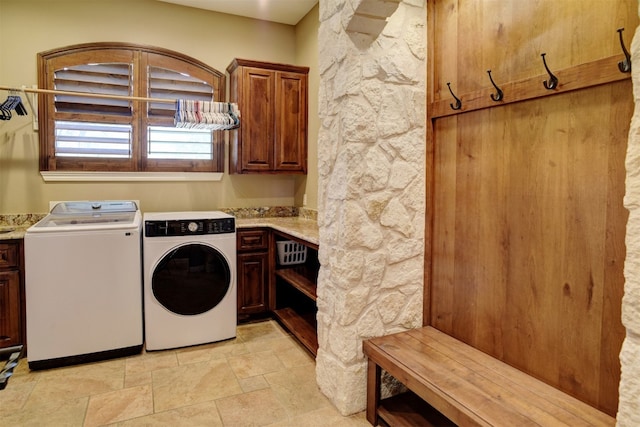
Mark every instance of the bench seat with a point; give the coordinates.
(467, 386)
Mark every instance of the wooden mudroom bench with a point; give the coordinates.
(447, 378)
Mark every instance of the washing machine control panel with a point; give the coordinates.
(189, 227)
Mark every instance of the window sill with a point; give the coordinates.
(57, 176)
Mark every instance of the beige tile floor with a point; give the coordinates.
(261, 378)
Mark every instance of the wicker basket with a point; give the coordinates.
(290, 252)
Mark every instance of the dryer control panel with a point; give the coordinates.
(187, 227)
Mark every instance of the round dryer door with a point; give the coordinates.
(191, 279)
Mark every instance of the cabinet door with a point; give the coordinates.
(258, 100)
(9, 308)
(253, 276)
(291, 127)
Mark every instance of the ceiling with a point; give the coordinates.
(282, 11)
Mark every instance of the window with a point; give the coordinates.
(111, 128)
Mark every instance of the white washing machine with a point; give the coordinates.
(189, 278)
(83, 283)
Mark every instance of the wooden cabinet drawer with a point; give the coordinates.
(252, 240)
(8, 255)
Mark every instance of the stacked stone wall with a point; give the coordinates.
(371, 178)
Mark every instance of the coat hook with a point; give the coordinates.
(552, 83)
(458, 102)
(499, 94)
(625, 65)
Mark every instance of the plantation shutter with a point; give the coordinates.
(169, 142)
(105, 79)
(87, 139)
(96, 133)
(84, 139)
(169, 84)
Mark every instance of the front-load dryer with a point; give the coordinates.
(189, 261)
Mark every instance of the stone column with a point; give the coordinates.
(371, 178)
(629, 401)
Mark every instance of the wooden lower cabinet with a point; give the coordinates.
(267, 287)
(253, 272)
(11, 294)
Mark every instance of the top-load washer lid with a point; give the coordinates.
(85, 215)
(100, 206)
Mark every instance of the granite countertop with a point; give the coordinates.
(9, 232)
(302, 228)
(15, 226)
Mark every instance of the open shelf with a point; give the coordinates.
(293, 293)
(407, 409)
(302, 277)
(303, 327)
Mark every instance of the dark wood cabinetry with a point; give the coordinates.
(253, 271)
(267, 287)
(11, 293)
(272, 99)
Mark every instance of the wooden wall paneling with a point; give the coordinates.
(442, 261)
(492, 215)
(532, 204)
(467, 53)
(519, 232)
(519, 249)
(428, 170)
(581, 287)
(541, 151)
(527, 232)
(466, 231)
(495, 21)
(444, 32)
(517, 36)
(612, 331)
(602, 71)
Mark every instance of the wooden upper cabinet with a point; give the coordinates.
(254, 140)
(272, 98)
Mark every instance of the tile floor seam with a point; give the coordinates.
(288, 385)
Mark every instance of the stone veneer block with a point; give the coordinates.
(629, 407)
(378, 8)
(366, 24)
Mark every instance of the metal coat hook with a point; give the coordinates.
(499, 94)
(458, 102)
(625, 65)
(552, 83)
